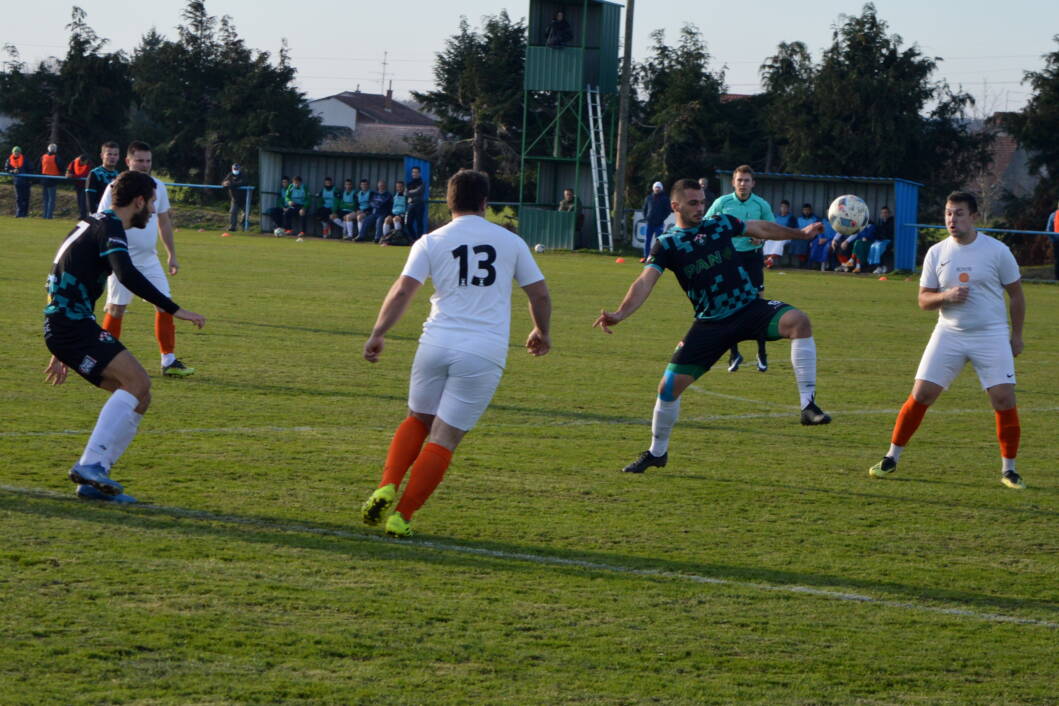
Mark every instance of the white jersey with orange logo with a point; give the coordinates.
(985, 267)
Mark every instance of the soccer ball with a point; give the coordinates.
(278, 232)
(539, 247)
(848, 214)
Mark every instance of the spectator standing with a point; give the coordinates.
(1052, 226)
(50, 166)
(884, 236)
(276, 212)
(711, 196)
(16, 164)
(101, 176)
(559, 32)
(570, 202)
(234, 182)
(297, 204)
(745, 205)
(326, 205)
(77, 172)
(773, 249)
(416, 190)
(656, 208)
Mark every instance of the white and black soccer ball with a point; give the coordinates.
(848, 214)
(538, 248)
(278, 232)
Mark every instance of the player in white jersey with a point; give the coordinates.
(463, 348)
(964, 278)
(142, 249)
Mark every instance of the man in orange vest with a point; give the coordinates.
(77, 172)
(50, 166)
(16, 164)
(1053, 227)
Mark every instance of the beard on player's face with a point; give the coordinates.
(141, 218)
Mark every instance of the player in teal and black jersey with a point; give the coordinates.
(88, 255)
(727, 308)
(102, 175)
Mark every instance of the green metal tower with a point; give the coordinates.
(570, 149)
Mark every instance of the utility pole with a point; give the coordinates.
(623, 128)
(382, 83)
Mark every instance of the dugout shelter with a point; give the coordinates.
(901, 195)
(312, 166)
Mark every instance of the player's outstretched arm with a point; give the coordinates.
(393, 308)
(1017, 309)
(634, 299)
(56, 371)
(539, 341)
(768, 230)
(183, 314)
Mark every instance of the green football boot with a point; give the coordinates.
(378, 504)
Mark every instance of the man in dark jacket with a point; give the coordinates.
(234, 183)
(656, 209)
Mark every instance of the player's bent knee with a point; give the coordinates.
(795, 324)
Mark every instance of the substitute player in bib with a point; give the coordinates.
(463, 348)
(94, 249)
(142, 249)
(964, 278)
(727, 308)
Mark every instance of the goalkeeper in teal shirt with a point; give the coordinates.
(746, 206)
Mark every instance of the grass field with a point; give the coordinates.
(762, 565)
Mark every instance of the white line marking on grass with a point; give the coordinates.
(546, 560)
(638, 421)
(774, 405)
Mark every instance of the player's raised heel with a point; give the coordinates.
(95, 475)
(883, 468)
(645, 461)
(1012, 480)
(397, 526)
(378, 504)
(87, 492)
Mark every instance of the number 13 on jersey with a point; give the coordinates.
(483, 263)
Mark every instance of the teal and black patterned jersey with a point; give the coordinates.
(96, 247)
(706, 265)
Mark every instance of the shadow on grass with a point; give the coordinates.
(502, 556)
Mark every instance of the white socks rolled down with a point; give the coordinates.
(115, 429)
(803, 360)
(662, 423)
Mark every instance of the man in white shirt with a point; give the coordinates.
(142, 250)
(964, 278)
(463, 348)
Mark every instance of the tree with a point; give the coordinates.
(478, 96)
(1035, 129)
(862, 111)
(78, 102)
(211, 100)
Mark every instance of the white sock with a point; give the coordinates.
(895, 451)
(338, 222)
(114, 430)
(662, 422)
(803, 359)
(167, 359)
(348, 227)
(1008, 464)
(386, 229)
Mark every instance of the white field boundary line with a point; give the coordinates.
(984, 409)
(546, 560)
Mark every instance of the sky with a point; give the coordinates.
(339, 45)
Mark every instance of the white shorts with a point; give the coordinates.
(948, 351)
(118, 294)
(451, 384)
(774, 247)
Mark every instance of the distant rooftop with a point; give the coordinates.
(379, 108)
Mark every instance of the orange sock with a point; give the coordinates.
(427, 472)
(1008, 432)
(165, 332)
(112, 326)
(407, 441)
(908, 420)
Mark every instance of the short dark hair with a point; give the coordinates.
(109, 145)
(399, 181)
(417, 168)
(965, 197)
(677, 192)
(297, 178)
(328, 179)
(348, 181)
(129, 185)
(743, 169)
(137, 146)
(284, 177)
(785, 201)
(467, 190)
(807, 205)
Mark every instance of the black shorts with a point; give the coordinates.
(706, 341)
(754, 264)
(85, 347)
